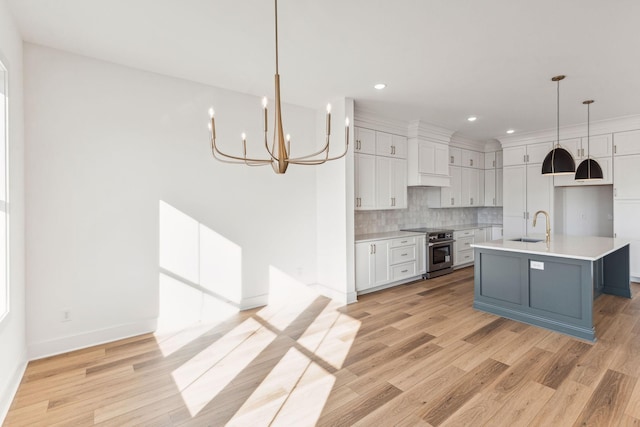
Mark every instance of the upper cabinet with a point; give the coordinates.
(455, 156)
(526, 154)
(598, 147)
(381, 174)
(626, 143)
(472, 159)
(365, 141)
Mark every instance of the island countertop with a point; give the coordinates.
(589, 248)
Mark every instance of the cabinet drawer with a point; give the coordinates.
(463, 233)
(464, 256)
(402, 254)
(464, 243)
(404, 241)
(403, 271)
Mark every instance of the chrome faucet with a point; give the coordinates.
(548, 220)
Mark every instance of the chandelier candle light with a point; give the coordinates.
(279, 154)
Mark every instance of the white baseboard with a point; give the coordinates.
(253, 302)
(48, 348)
(343, 297)
(9, 393)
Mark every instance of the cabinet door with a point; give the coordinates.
(384, 181)
(384, 144)
(626, 176)
(426, 157)
(626, 143)
(381, 260)
(465, 186)
(479, 235)
(364, 267)
(573, 146)
(625, 226)
(451, 196)
(365, 181)
(472, 188)
(539, 193)
(570, 181)
(499, 185)
(399, 183)
(597, 146)
(442, 159)
(490, 160)
(513, 156)
(399, 146)
(514, 202)
(499, 159)
(496, 233)
(455, 156)
(537, 152)
(365, 141)
(422, 254)
(490, 187)
(471, 159)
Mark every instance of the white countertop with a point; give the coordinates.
(588, 248)
(386, 235)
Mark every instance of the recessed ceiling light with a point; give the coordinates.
(472, 118)
(510, 131)
(380, 86)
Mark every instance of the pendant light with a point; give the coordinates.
(558, 161)
(589, 169)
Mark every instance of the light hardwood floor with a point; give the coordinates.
(413, 355)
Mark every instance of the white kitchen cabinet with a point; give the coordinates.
(490, 188)
(390, 145)
(421, 261)
(365, 181)
(595, 146)
(625, 226)
(391, 183)
(432, 158)
(490, 160)
(472, 180)
(372, 264)
(499, 159)
(626, 177)
(625, 143)
(455, 156)
(479, 235)
(499, 186)
(523, 154)
(447, 197)
(365, 141)
(462, 250)
(388, 261)
(496, 232)
(472, 159)
(526, 191)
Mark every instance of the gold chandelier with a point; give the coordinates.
(279, 153)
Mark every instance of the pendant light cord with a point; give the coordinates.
(276, 3)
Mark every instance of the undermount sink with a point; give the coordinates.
(526, 240)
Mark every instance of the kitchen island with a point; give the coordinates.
(552, 284)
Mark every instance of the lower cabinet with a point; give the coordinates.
(387, 261)
(462, 250)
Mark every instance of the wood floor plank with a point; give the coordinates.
(413, 355)
(608, 401)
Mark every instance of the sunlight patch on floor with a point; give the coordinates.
(288, 383)
(210, 371)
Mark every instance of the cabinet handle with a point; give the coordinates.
(374, 248)
(451, 159)
(452, 201)
(404, 254)
(404, 241)
(615, 234)
(615, 149)
(472, 200)
(470, 162)
(404, 271)
(615, 192)
(494, 201)
(494, 163)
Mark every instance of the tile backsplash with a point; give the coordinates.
(418, 214)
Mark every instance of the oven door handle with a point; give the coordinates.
(441, 243)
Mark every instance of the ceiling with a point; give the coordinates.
(443, 60)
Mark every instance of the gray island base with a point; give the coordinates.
(550, 285)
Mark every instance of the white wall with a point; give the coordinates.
(335, 187)
(13, 354)
(584, 210)
(123, 198)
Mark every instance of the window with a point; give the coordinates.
(4, 211)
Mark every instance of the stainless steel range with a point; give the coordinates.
(439, 251)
